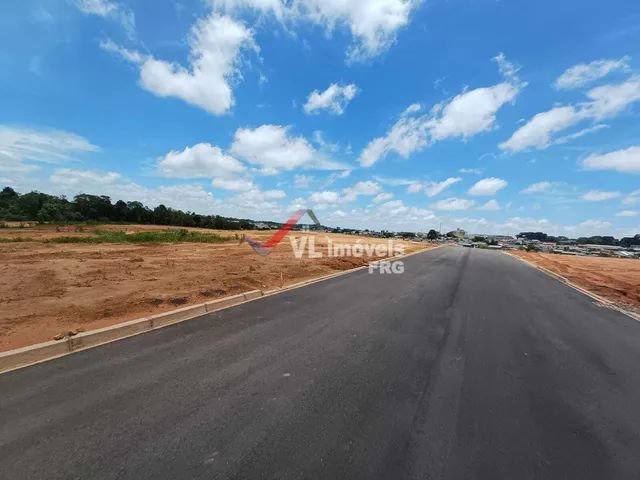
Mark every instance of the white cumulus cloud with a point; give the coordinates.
(334, 99)
(580, 133)
(435, 188)
(20, 147)
(609, 100)
(325, 198)
(454, 203)
(472, 112)
(366, 188)
(490, 206)
(415, 187)
(396, 210)
(605, 101)
(627, 213)
(625, 161)
(538, 132)
(487, 186)
(585, 73)
(406, 136)
(200, 160)
(538, 187)
(73, 178)
(215, 43)
(373, 24)
(467, 114)
(599, 195)
(273, 148)
(234, 184)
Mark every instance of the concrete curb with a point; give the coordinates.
(566, 281)
(42, 352)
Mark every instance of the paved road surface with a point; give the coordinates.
(471, 365)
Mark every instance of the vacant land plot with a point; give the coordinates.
(59, 279)
(616, 279)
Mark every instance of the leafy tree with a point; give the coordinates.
(93, 207)
(120, 211)
(598, 240)
(631, 241)
(7, 195)
(8, 204)
(50, 212)
(161, 215)
(30, 204)
(136, 212)
(432, 235)
(543, 237)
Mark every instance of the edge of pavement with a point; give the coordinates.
(600, 300)
(43, 352)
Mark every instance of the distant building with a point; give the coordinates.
(594, 248)
(459, 233)
(501, 238)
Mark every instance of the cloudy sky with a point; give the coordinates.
(492, 116)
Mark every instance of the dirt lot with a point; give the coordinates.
(52, 288)
(616, 279)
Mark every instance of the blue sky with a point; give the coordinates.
(492, 116)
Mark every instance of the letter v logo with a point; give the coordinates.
(265, 248)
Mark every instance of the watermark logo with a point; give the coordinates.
(387, 266)
(306, 244)
(265, 248)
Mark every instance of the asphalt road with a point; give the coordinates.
(470, 365)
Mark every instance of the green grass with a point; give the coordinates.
(16, 239)
(167, 236)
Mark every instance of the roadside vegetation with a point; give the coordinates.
(98, 236)
(167, 236)
(16, 239)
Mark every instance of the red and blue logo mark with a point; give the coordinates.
(264, 248)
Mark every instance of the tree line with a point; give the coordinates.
(595, 240)
(41, 207)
